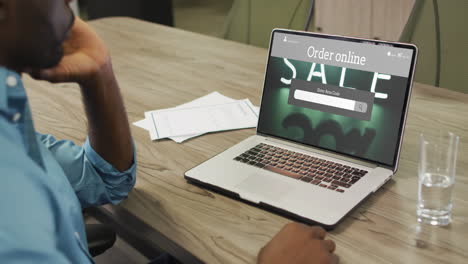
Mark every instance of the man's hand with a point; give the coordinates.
(86, 61)
(298, 243)
(85, 58)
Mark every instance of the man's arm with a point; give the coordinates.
(103, 170)
(87, 62)
(109, 132)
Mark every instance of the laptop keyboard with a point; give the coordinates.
(326, 174)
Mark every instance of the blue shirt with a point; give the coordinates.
(45, 183)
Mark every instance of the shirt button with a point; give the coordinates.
(16, 117)
(11, 81)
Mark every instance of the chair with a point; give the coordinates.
(441, 63)
(100, 238)
(251, 21)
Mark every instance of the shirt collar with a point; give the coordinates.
(10, 81)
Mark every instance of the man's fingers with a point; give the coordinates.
(329, 245)
(318, 232)
(52, 76)
(58, 74)
(334, 259)
(43, 75)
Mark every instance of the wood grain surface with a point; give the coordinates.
(160, 67)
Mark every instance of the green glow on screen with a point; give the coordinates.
(385, 117)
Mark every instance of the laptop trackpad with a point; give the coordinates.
(261, 187)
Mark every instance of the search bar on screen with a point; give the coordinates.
(333, 101)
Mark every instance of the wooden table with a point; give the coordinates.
(160, 67)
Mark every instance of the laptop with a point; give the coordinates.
(330, 128)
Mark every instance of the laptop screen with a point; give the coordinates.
(340, 94)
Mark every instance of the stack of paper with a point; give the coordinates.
(211, 113)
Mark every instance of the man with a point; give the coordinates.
(45, 182)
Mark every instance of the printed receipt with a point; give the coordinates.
(202, 119)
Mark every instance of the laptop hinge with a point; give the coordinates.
(322, 152)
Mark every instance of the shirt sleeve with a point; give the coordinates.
(94, 180)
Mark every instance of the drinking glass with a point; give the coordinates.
(437, 169)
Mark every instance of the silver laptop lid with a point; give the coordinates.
(345, 95)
